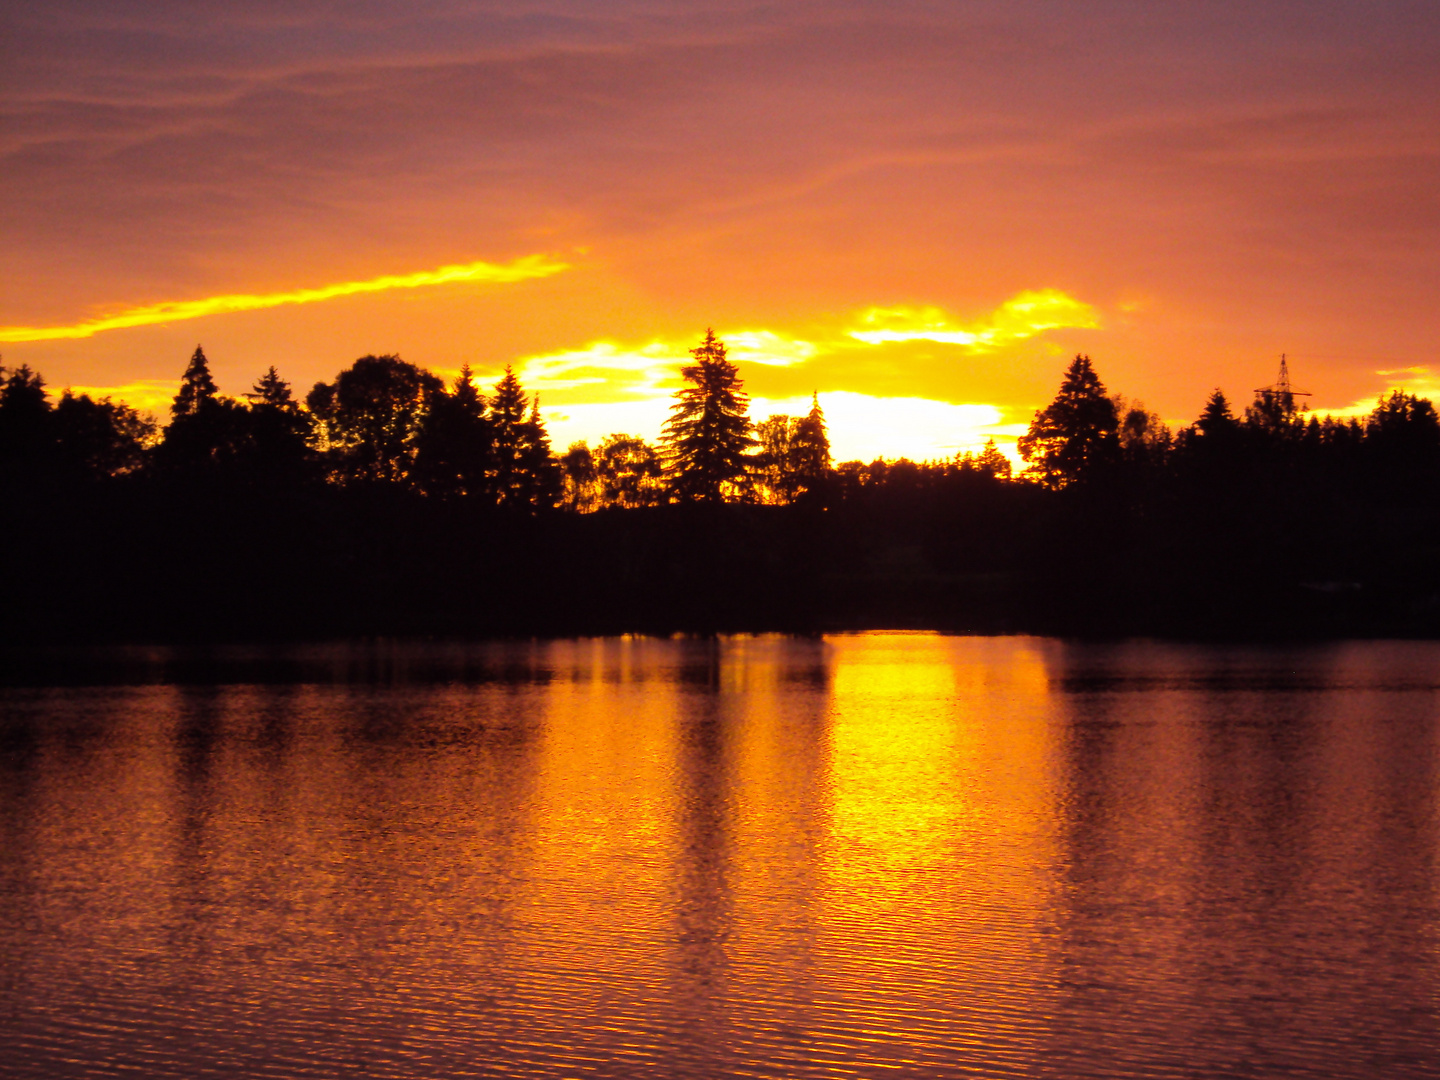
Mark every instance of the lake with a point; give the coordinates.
(878, 855)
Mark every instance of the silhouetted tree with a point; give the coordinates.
(1216, 419)
(707, 436)
(1145, 440)
(1402, 445)
(280, 433)
(1405, 423)
(454, 444)
(507, 426)
(541, 481)
(197, 386)
(270, 389)
(1074, 438)
(580, 492)
(793, 455)
(369, 418)
(629, 472)
(989, 462)
(809, 459)
(1207, 451)
(26, 431)
(770, 466)
(208, 439)
(1274, 416)
(96, 440)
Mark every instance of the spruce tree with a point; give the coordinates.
(1216, 418)
(507, 429)
(280, 433)
(991, 462)
(196, 386)
(272, 390)
(809, 458)
(209, 437)
(541, 481)
(453, 447)
(1076, 437)
(708, 435)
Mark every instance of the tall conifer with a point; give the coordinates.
(196, 386)
(1076, 436)
(709, 431)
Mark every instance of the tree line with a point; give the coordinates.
(386, 421)
(389, 501)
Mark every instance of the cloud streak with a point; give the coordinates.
(522, 269)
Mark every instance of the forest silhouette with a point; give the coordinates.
(387, 502)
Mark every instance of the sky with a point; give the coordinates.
(919, 211)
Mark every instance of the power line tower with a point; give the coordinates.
(1282, 392)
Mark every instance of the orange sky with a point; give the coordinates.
(862, 198)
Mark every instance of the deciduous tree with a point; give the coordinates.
(629, 472)
(370, 417)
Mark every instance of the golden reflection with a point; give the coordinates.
(873, 854)
(935, 875)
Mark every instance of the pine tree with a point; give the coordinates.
(507, 428)
(1216, 418)
(809, 459)
(196, 386)
(708, 433)
(991, 462)
(279, 452)
(540, 472)
(1075, 438)
(272, 390)
(453, 446)
(209, 438)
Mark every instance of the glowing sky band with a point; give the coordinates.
(531, 266)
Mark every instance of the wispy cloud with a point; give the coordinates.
(522, 269)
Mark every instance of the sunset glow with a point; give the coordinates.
(937, 204)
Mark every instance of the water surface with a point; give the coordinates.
(873, 855)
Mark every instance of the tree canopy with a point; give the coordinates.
(370, 417)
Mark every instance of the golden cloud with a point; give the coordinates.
(1420, 380)
(1022, 316)
(531, 266)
